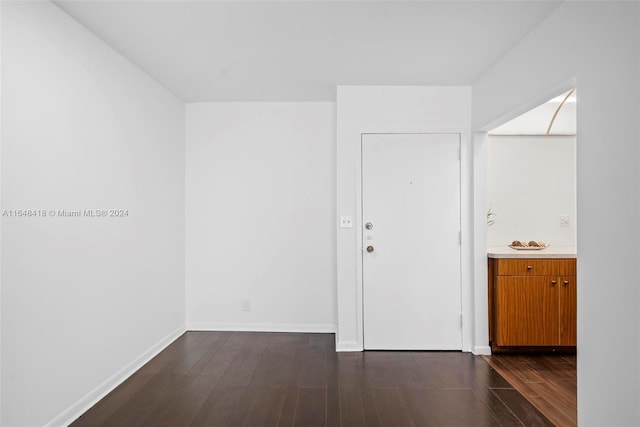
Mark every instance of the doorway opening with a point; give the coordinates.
(532, 254)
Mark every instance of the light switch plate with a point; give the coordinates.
(346, 222)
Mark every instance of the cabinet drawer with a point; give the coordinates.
(535, 267)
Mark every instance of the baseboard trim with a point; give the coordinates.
(81, 406)
(264, 327)
(345, 346)
(482, 350)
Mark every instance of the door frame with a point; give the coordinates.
(479, 165)
(466, 246)
(361, 220)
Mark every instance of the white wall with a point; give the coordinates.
(1, 133)
(260, 203)
(393, 109)
(531, 183)
(593, 46)
(84, 300)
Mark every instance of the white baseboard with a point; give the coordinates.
(81, 406)
(264, 327)
(482, 349)
(344, 346)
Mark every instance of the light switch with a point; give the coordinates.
(346, 222)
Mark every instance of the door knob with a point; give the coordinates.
(368, 226)
(369, 249)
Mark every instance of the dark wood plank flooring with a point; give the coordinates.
(548, 381)
(294, 379)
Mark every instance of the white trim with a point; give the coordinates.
(424, 347)
(344, 346)
(466, 236)
(482, 349)
(1, 133)
(81, 406)
(479, 236)
(264, 327)
(541, 98)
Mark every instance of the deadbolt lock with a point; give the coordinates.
(368, 226)
(369, 249)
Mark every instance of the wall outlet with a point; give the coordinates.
(346, 222)
(246, 304)
(565, 221)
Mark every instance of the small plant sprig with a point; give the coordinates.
(490, 216)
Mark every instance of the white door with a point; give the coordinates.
(411, 242)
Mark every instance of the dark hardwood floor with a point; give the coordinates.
(548, 381)
(291, 379)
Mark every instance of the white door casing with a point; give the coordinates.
(412, 278)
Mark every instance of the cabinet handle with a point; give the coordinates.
(553, 283)
(529, 267)
(566, 282)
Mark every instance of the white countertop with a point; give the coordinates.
(550, 252)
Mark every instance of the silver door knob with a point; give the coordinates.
(369, 249)
(368, 226)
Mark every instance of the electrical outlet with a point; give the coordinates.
(565, 221)
(346, 222)
(246, 304)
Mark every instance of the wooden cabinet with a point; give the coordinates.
(532, 302)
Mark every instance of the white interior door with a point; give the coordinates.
(411, 252)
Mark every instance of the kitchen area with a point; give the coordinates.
(532, 255)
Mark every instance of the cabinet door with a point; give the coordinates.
(526, 311)
(568, 313)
